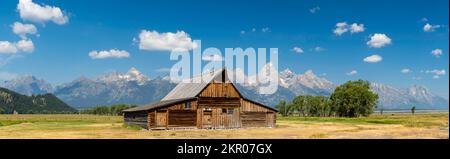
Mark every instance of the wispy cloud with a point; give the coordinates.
(5, 59)
(406, 70)
(297, 49)
(113, 53)
(351, 73)
(253, 30)
(265, 29)
(436, 73)
(424, 19)
(318, 49)
(314, 10)
(7, 76)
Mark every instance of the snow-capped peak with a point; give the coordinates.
(132, 75)
(420, 92)
(135, 75)
(310, 73)
(308, 79)
(134, 72)
(287, 74)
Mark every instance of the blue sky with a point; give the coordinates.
(61, 45)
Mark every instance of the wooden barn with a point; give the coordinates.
(216, 104)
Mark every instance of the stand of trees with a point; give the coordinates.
(107, 110)
(352, 99)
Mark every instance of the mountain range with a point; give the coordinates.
(133, 87)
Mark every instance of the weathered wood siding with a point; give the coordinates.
(220, 120)
(136, 118)
(151, 119)
(247, 106)
(255, 115)
(254, 119)
(219, 102)
(161, 118)
(271, 119)
(182, 118)
(182, 106)
(219, 90)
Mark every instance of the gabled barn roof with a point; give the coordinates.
(186, 90)
(190, 89)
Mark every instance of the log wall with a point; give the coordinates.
(136, 118)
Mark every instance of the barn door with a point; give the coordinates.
(161, 119)
(207, 123)
(270, 119)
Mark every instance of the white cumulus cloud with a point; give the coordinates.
(113, 53)
(373, 59)
(357, 28)
(25, 46)
(430, 28)
(7, 47)
(155, 41)
(343, 27)
(33, 12)
(437, 52)
(23, 29)
(379, 40)
(297, 50)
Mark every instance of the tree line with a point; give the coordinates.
(352, 99)
(107, 110)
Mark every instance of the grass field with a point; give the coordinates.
(423, 125)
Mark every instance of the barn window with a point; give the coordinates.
(230, 110)
(187, 105)
(227, 110)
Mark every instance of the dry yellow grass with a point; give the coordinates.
(430, 125)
